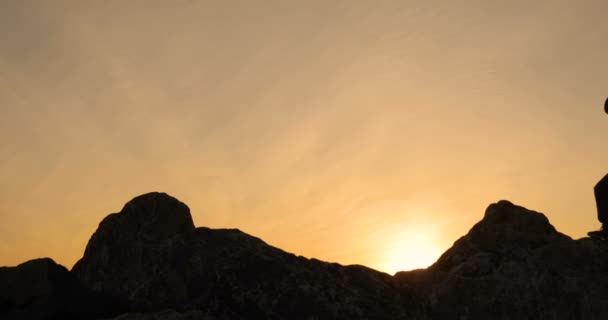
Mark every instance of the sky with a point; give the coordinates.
(359, 132)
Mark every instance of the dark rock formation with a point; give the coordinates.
(126, 257)
(42, 289)
(166, 315)
(150, 256)
(513, 264)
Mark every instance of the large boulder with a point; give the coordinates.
(507, 231)
(513, 264)
(42, 289)
(127, 255)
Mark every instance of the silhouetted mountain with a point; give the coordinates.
(149, 257)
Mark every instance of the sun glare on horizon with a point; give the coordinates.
(414, 249)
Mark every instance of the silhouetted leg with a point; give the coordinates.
(601, 199)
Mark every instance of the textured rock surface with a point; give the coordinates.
(165, 315)
(513, 264)
(42, 289)
(126, 256)
(150, 256)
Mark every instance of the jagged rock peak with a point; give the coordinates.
(513, 264)
(505, 223)
(506, 230)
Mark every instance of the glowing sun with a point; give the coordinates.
(412, 249)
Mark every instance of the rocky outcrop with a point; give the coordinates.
(513, 264)
(151, 257)
(42, 289)
(126, 257)
(148, 261)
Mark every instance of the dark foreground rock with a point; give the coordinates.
(514, 265)
(42, 289)
(165, 315)
(127, 256)
(149, 257)
(227, 273)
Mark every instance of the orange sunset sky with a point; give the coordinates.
(367, 132)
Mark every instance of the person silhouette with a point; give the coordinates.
(601, 200)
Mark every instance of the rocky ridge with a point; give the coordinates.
(513, 264)
(148, 261)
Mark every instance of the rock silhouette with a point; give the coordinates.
(514, 265)
(42, 289)
(227, 273)
(148, 261)
(126, 257)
